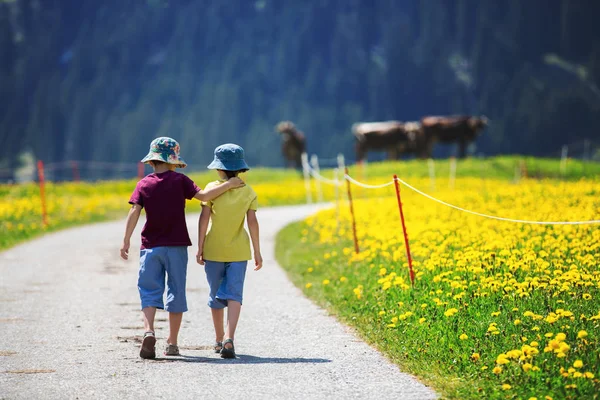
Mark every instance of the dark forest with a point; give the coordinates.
(98, 80)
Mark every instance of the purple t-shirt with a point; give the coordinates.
(163, 196)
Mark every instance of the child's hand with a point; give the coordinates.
(125, 250)
(258, 261)
(236, 182)
(199, 258)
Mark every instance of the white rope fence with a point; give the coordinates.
(321, 178)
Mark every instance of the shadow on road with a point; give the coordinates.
(243, 359)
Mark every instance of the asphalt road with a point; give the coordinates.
(70, 328)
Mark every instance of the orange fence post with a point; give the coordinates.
(410, 268)
(75, 168)
(356, 249)
(140, 170)
(40, 167)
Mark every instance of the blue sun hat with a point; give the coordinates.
(229, 157)
(166, 150)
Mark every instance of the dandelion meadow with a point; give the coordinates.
(498, 309)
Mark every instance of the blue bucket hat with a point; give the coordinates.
(229, 157)
(166, 150)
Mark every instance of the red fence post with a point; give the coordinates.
(356, 249)
(75, 168)
(40, 167)
(140, 170)
(410, 268)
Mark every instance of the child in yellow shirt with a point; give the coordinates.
(225, 248)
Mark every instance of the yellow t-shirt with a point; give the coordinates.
(226, 239)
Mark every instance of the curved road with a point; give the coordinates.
(70, 329)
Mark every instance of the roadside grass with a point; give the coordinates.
(499, 310)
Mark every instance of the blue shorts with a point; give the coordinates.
(226, 282)
(154, 264)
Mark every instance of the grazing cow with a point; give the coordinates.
(395, 137)
(453, 129)
(293, 145)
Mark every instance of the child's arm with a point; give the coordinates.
(202, 228)
(214, 192)
(254, 235)
(132, 220)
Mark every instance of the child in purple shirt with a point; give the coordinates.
(165, 238)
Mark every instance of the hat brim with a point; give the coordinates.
(235, 165)
(152, 156)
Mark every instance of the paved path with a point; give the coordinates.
(70, 326)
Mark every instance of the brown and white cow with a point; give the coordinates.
(459, 129)
(293, 145)
(395, 137)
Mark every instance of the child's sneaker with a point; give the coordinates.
(172, 350)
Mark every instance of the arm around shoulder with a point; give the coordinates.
(211, 192)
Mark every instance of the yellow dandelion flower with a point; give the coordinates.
(308, 285)
(310, 269)
(502, 359)
(527, 367)
(578, 364)
(326, 282)
(463, 337)
(497, 370)
(422, 320)
(475, 356)
(450, 312)
(517, 321)
(506, 386)
(587, 296)
(581, 334)
(588, 375)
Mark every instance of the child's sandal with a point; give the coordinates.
(147, 349)
(228, 353)
(218, 346)
(172, 350)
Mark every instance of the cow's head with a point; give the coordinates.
(285, 127)
(477, 124)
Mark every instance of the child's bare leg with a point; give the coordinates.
(217, 317)
(148, 314)
(174, 325)
(233, 315)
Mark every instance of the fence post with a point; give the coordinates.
(75, 168)
(341, 162)
(336, 177)
(42, 180)
(356, 249)
(452, 172)
(517, 177)
(410, 268)
(563, 159)
(586, 150)
(431, 166)
(314, 162)
(306, 178)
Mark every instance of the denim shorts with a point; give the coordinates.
(155, 263)
(226, 282)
